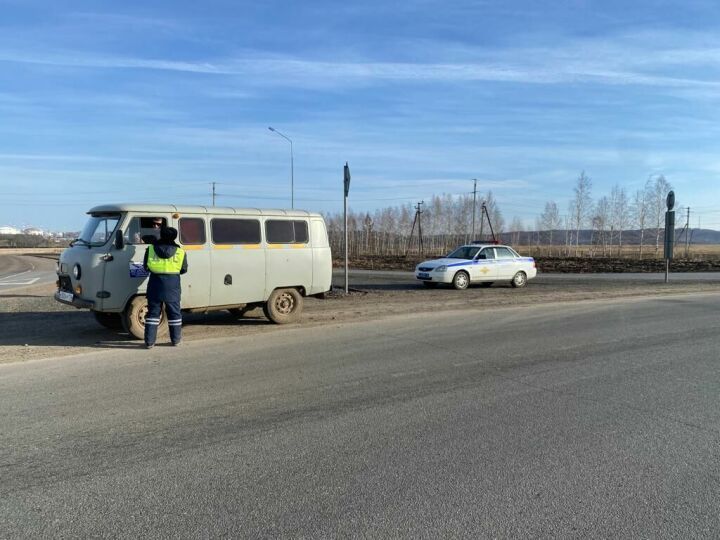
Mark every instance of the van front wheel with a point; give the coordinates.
(133, 318)
(283, 306)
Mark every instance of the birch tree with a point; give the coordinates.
(601, 220)
(550, 219)
(621, 213)
(580, 206)
(640, 214)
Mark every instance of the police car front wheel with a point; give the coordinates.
(461, 280)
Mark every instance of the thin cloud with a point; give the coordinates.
(584, 62)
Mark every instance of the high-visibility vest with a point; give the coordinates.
(173, 265)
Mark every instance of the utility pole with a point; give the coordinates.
(419, 211)
(472, 238)
(418, 220)
(213, 193)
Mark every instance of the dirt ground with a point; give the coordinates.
(33, 325)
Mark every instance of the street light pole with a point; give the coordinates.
(292, 166)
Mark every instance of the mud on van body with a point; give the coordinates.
(238, 259)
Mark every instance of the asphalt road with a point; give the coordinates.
(19, 271)
(398, 279)
(593, 419)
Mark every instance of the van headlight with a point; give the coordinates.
(77, 271)
(441, 268)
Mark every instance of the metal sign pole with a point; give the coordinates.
(346, 183)
(669, 233)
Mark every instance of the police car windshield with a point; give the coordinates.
(464, 252)
(99, 229)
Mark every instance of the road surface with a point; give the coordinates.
(589, 419)
(18, 271)
(403, 280)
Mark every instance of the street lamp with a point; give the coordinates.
(292, 167)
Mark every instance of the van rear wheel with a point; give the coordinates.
(133, 318)
(284, 306)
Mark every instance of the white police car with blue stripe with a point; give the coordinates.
(477, 263)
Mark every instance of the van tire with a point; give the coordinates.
(284, 306)
(133, 318)
(111, 321)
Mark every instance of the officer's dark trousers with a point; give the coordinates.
(152, 321)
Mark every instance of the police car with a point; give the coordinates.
(477, 263)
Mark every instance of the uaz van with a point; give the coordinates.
(238, 259)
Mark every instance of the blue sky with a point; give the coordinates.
(151, 101)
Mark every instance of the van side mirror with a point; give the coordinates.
(119, 240)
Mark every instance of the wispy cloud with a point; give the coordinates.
(624, 61)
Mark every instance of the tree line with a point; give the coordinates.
(598, 227)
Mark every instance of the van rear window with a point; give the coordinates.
(235, 231)
(286, 232)
(192, 231)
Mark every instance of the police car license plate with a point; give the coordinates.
(66, 296)
(423, 275)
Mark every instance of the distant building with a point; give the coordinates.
(33, 231)
(9, 230)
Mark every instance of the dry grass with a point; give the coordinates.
(696, 251)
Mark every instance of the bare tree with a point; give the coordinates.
(601, 221)
(550, 219)
(516, 228)
(580, 206)
(621, 213)
(640, 214)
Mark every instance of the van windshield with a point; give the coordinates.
(99, 229)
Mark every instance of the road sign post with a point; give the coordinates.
(346, 183)
(669, 233)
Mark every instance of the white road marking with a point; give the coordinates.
(2, 283)
(15, 275)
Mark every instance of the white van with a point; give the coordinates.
(238, 259)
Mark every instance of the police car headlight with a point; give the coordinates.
(77, 271)
(441, 269)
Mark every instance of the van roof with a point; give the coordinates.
(171, 208)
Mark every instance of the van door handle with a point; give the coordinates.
(107, 258)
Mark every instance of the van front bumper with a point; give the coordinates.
(74, 301)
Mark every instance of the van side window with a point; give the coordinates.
(143, 230)
(235, 231)
(192, 231)
(301, 232)
(286, 232)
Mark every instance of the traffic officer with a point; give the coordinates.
(165, 261)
